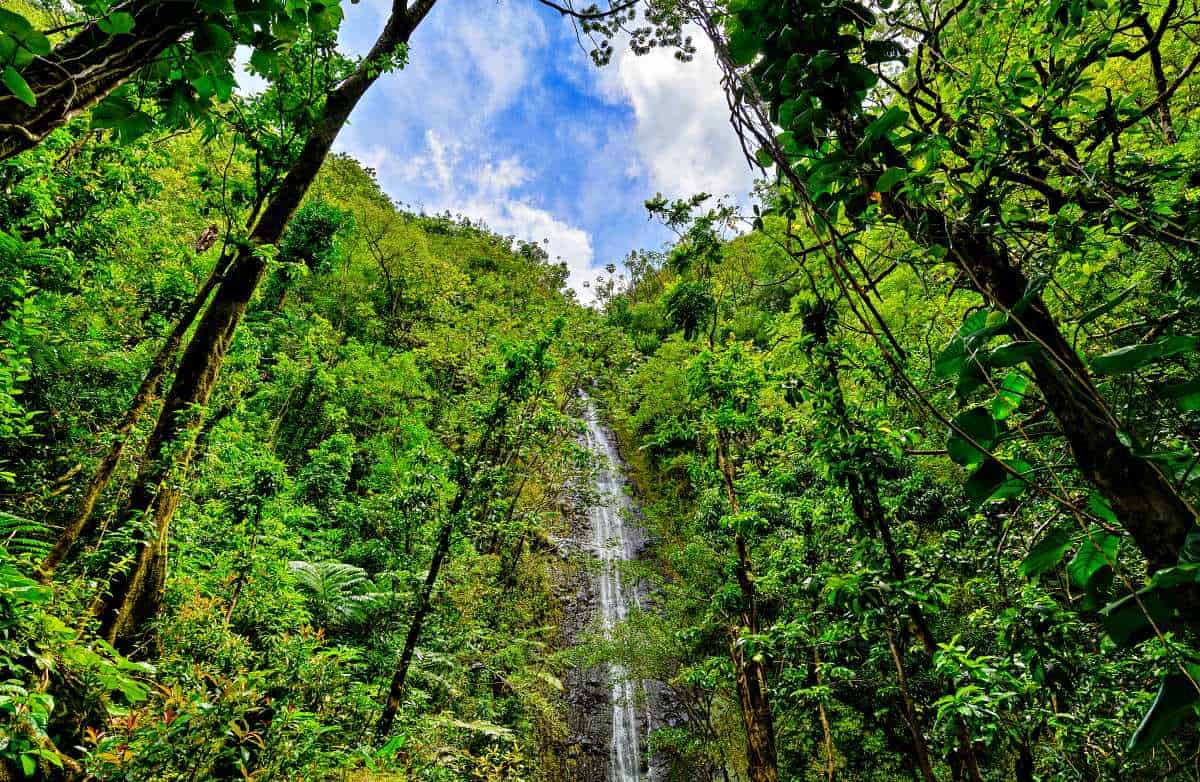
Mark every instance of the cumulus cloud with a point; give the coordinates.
(499, 117)
(681, 130)
(453, 178)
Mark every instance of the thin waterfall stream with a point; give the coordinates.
(613, 545)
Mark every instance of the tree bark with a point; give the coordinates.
(910, 711)
(823, 717)
(1148, 507)
(1157, 518)
(134, 595)
(750, 673)
(1144, 500)
(87, 67)
(396, 690)
(80, 523)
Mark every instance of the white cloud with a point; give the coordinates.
(441, 133)
(451, 179)
(681, 128)
(561, 240)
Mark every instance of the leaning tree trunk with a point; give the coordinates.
(750, 672)
(80, 522)
(134, 595)
(1143, 499)
(863, 486)
(85, 68)
(424, 604)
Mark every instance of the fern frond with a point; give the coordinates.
(23, 538)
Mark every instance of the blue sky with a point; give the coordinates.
(500, 116)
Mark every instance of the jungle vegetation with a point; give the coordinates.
(285, 466)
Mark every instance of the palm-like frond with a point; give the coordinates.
(23, 538)
(339, 595)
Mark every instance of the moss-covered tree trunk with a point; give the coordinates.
(81, 521)
(750, 670)
(88, 66)
(134, 595)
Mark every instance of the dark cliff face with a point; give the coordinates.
(585, 755)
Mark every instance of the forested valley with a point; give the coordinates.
(887, 472)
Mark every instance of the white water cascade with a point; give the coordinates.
(612, 546)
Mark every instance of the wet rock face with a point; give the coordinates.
(601, 704)
(585, 757)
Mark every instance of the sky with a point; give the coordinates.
(500, 116)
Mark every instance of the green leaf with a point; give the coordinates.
(14, 24)
(1190, 553)
(1013, 353)
(18, 86)
(1100, 507)
(743, 45)
(891, 119)
(787, 113)
(1047, 553)
(1103, 309)
(1185, 395)
(993, 482)
(1009, 396)
(1176, 700)
(1093, 557)
(118, 23)
(978, 425)
(891, 178)
(118, 113)
(1126, 622)
(24, 34)
(211, 38)
(1133, 357)
(1033, 289)
(952, 357)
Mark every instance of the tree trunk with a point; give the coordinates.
(134, 595)
(79, 523)
(388, 716)
(823, 717)
(863, 486)
(1142, 497)
(749, 671)
(1147, 505)
(910, 710)
(87, 67)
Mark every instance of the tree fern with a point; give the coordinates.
(23, 538)
(339, 595)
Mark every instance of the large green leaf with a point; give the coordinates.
(1010, 395)
(743, 44)
(1185, 395)
(1047, 553)
(1126, 622)
(1176, 700)
(22, 32)
(1013, 353)
(991, 481)
(890, 178)
(18, 86)
(1133, 357)
(118, 23)
(1090, 564)
(976, 425)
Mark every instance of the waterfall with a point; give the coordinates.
(612, 547)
